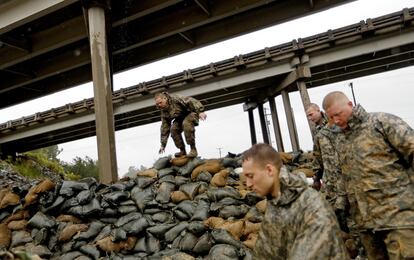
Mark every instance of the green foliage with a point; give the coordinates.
(51, 153)
(84, 167)
(27, 169)
(43, 161)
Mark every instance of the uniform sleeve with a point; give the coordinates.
(194, 105)
(400, 135)
(317, 165)
(318, 236)
(165, 131)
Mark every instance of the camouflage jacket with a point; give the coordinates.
(299, 224)
(178, 108)
(327, 161)
(318, 127)
(377, 160)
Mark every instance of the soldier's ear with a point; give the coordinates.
(270, 169)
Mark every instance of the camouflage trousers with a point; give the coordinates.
(186, 124)
(391, 244)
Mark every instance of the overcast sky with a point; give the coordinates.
(227, 129)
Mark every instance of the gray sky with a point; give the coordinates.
(228, 128)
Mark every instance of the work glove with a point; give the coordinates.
(162, 150)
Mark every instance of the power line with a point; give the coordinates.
(219, 148)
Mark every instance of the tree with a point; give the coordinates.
(51, 153)
(84, 167)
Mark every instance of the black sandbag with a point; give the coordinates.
(128, 202)
(164, 192)
(186, 206)
(196, 227)
(215, 206)
(47, 198)
(188, 242)
(161, 229)
(109, 212)
(143, 182)
(166, 252)
(128, 218)
(20, 237)
(230, 162)
(233, 211)
(201, 211)
(232, 181)
(40, 250)
(222, 236)
(69, 188)
(40, 220)
(114, 197)
(69, 203)
(162, 163)
(94, 228)
(127, 209)
(203, 244)
(91, 251)
(152, 211)
(141, 245)
(252, 198)
(164, 172)
(153, 244)
(136, 226)
(110, 220)
(175, 231)
(162, 217)
(92, 208)
(180, 180)
(190, 188)
(118, 234)
(105, 231)
(189, 166)
(223, 252)
(4, 214)
(85, 196)
(167, 178)
(177, 241)
(55, 205)
(70, 255)
(204, 177)
(217, 194)
(40, 236)
(142, 197)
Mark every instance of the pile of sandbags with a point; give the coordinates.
(179, 209)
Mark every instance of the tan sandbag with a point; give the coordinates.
(17, 224)
(308, 172)
(250, 227)
(21, 214)
(33, 194)
(220, 179)
(152, 173)
(212, 166)
(3, 192)
(68, 218)
(107, 245)
(179, 161)
(5, 236)
(9, 199)
(235, 228)
(243, 193)
(178, 196)
(213, 222)
(286, 157)
(69, 231)
(250, 242)
(261, 206)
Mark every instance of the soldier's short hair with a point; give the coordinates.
(334, 97)
(160, 94)
(313, 105)
(263, 154)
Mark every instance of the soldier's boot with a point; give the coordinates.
(193, 152)
(182, 152)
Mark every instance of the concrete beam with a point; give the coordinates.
(18, 12)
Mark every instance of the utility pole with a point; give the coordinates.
(219, 148)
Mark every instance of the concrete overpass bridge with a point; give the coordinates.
(367, 47)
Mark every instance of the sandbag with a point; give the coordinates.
(201, 211)
(152, 173)
(175, 231)
(203, 244)
(5, 236)
(212, 166)
(40, 220)
(142, 197)
(220, 179)
(94, 228)
(178, 196)
(162, 163)
(164, 192)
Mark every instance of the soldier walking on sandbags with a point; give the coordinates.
(178, 114)
(298, 223)
(377, 158)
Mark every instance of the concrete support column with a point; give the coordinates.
(305, 101)
(276, 125)
(290, 121)
(263, 124)
(252, 127)
(105, 129)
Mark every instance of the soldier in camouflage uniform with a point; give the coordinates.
(298, 223)
(319, 120)
(377, 159)
(178, 114)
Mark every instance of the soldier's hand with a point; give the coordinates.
(316, 184)
(162, 150)
(202, 116)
